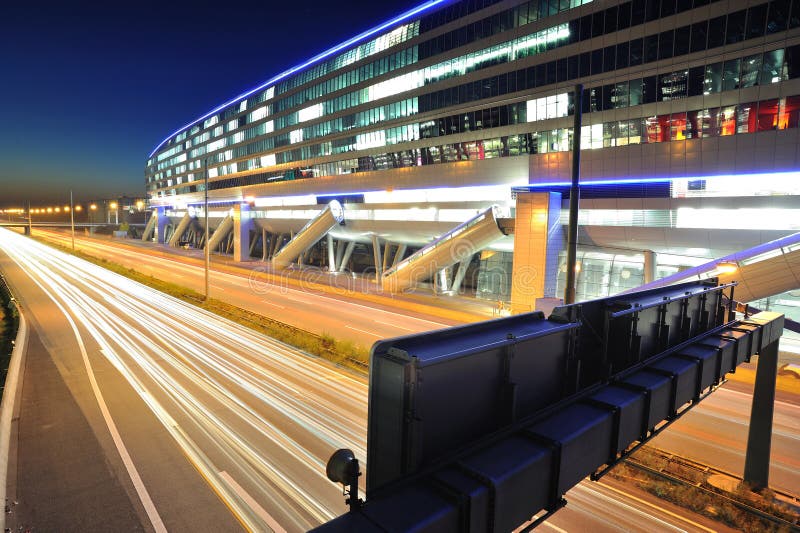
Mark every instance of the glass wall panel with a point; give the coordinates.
(730, 74)
(712, 83)
(751, 68)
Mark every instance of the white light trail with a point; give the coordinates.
(233, 400)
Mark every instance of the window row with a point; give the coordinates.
(752, 117)
(763, 69)
(382, 42)
(758, 69)
(495, 24)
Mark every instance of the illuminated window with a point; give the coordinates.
(311, 112)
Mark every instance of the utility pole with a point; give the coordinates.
(30, 219)
(574, 199)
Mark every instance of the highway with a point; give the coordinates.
(171, 392)
(360, 322)
(715, 433)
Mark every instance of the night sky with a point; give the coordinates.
(88, 89)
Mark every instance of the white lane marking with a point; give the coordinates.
(273, 305)
(393, 325)
(218, 287)
(554, 527)
(365, 331)
(300, 300)
(750, 395)
(252, 503)
(138, 484)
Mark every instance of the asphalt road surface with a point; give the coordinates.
(357, 321)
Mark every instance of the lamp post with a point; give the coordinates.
(205, 215)
(72, 218)
(30, 220)
(115, 207)
(574, 199)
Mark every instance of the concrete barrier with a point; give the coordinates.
(9, 402)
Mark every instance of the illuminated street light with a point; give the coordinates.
(58, 210)
(114, 206)
(72, 219)
(49, 209)
(139, 205)
(78, 208)
(93, 207)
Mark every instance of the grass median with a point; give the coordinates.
(341, 352)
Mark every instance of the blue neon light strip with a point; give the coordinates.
(635, 181)
(339, 47)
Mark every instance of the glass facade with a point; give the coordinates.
(495, 84)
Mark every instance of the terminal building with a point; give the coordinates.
(434, 150)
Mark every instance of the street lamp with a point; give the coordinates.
(206, 247)
(114, 206)
(71, 218)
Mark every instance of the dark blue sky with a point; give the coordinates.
(88, 89)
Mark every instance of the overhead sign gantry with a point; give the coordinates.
(481, 427)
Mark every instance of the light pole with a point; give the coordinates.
(72, 218)
(115, 207)
(205, 215)
(30, 220)
(574, 199)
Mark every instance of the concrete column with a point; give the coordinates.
(277, 245)
(242, 224)
(386, 251)
(339, 253)
(442, 280)
(649, 266)
(376, 252)
(398, 256)
(161, 225)
(264, 247)
(538, 238)
(458, 278)
(253, 242)
(759, 438)
(331, 255)
(347, 254)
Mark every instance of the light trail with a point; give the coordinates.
(234, 401)
(348, 310)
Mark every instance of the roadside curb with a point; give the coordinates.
(8, 404)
